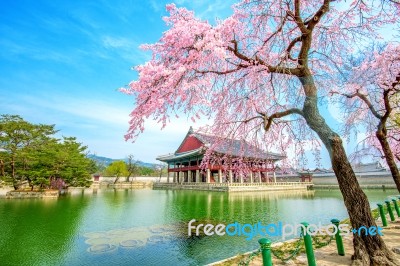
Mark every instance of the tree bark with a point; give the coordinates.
(3, 173)
(368, 250)
(13, 167)
(381, 134)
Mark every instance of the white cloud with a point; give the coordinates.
(118, 42)
(101, 125)
(87, 109)
(156, 5)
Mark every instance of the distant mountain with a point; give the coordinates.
(106, 161)
(100, 159)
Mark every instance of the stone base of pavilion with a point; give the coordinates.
(236, 187)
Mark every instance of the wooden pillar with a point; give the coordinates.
(197, 176)
(241, 178)
(251, 177)
(174, 177)
(168, 173)
(208, 176)
(259, 177)
(274, 177)
(230, 176)
(220, 175)
(267, 177)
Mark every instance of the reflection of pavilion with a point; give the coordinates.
(257, 166)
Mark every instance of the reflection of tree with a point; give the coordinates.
(39, 232)
(115, 199)
(222, 207)
(214, 208)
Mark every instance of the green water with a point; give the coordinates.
(149, 227)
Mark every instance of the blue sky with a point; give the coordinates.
(61, 62)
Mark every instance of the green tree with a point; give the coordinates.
(117, 169)
(71, 163)
(31, 152)
(18, 136)
(145, 171)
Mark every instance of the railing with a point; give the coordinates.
(240, 184)
(214, 167)
(185, 168)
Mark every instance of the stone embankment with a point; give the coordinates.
(371, 180)
(26, 194)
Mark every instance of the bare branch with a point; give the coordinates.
(257, 61)
(316, 18)
(291, 45)
(276, 32)
(269, 119)
(363, 98)
(297, 18)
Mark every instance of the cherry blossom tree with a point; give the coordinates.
(395, 124)
(370, 95)
(396, 137)
(259, 75)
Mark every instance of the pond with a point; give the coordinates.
(149, 227)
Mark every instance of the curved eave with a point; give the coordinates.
(266, 156)
(177, 156)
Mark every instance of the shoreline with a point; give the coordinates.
(324, 256)
(149, 185)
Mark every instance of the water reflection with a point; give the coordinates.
(142, 227)
(38, 231)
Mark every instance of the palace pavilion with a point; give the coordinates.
(184, 165)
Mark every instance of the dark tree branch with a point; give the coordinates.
(297, 18)
(316, 18)
(269, 119)
(291, 45)
(221, 72)
(276, 32)
(363, 98)
(257, 61)
(307, 34)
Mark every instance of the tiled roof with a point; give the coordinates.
(368, 167)
(231, 147)
(236, 148)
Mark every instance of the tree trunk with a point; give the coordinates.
(13, 168)
(368, 250)
(382, 137)
(3, 173)
(30, 183)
